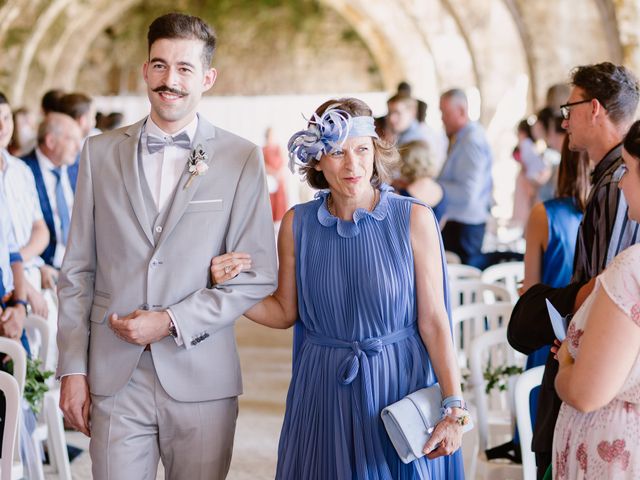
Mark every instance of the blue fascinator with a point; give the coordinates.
(326, 134)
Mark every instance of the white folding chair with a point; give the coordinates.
(472, 320)
(508, 274)
(11, 464)
(460, 271)
(11, 391)
(524, 385)
(493, 417)
(467, 291)
(50, 427)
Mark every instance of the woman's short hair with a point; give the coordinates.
(416, 161)
(385, 155)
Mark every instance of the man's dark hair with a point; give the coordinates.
(50, 100)
(3, 99)
(404, 89)
(550, 119)
(614, 86)
(74, 104)
(179, 25)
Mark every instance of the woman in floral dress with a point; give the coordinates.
(598, 430)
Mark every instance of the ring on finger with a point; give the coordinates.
(227, 269)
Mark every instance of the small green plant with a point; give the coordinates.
(35, 382)
(35, 385)
(499, 376)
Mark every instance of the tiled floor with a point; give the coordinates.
(266, 364)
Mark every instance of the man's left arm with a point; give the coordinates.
(250, 230)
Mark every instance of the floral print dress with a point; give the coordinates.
(604, 444)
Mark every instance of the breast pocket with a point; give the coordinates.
(205, 205)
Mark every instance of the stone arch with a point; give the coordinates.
(42, 24)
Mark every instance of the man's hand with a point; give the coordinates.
(141, 327)
(49, 277)
(12, 321)
(75, 402)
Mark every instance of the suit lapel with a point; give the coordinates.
(204, 136)
(128, 151)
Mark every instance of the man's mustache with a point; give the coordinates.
(164, 88)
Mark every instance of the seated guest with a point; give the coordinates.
(598, 380)
(416, 178)
(467, 180)
(402, 120)
(23, 139)
(59, 139)
(29, 229)
(80, 107)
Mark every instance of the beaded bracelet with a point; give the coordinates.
(461, 420)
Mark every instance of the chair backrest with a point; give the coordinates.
(16, 351)
(460, 271)
(508, 274)
(490, 349)
(472, 320)
(467, 291)
(11, 390)
(36, 324)
(525, 383)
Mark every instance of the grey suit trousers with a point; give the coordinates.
(141, 424)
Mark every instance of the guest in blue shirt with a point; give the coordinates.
(466, 179)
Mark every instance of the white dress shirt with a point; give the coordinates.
(50, 182)
(164, 168)
(24, 204)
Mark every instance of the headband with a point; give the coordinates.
(326, 134)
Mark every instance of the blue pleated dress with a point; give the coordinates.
(356, 346)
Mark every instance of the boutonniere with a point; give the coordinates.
(197, 164)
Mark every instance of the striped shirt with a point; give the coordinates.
(606, 229)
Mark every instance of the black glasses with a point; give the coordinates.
(565, 110)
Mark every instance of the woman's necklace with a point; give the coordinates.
(371, 207)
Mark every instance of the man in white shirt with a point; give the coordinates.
(29, 228)
(59, 140)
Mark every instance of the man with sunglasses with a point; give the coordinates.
(597, 115)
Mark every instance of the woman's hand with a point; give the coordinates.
(225, 267)
(561, 353)
(445, 439)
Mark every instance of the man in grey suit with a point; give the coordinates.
(148, 358)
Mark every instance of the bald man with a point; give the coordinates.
(59, 141)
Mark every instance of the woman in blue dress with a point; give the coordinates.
(363, 279)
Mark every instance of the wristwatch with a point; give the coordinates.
(25, 304)
(172, 329)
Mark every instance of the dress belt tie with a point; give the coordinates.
(350, 365)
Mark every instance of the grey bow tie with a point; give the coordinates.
(156, 144)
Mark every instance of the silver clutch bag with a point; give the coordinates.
(410, 421)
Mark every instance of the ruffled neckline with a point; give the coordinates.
(346, 228)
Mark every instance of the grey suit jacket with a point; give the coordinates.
(112, 265)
